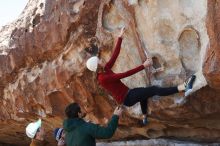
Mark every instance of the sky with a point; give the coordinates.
(10, 10)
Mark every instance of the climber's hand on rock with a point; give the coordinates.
(122, 31)
(148, 62)
(118, 111)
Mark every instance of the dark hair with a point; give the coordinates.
(72, 110)
(38, 130)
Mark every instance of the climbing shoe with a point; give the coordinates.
(145, 121)
(189, 84)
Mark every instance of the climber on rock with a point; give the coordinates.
(36, 132)
(59, 135)
(81, 133)
(122, 94)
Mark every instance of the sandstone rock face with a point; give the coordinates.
(211, 62)
(43, 55)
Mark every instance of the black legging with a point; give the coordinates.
(142, 94)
